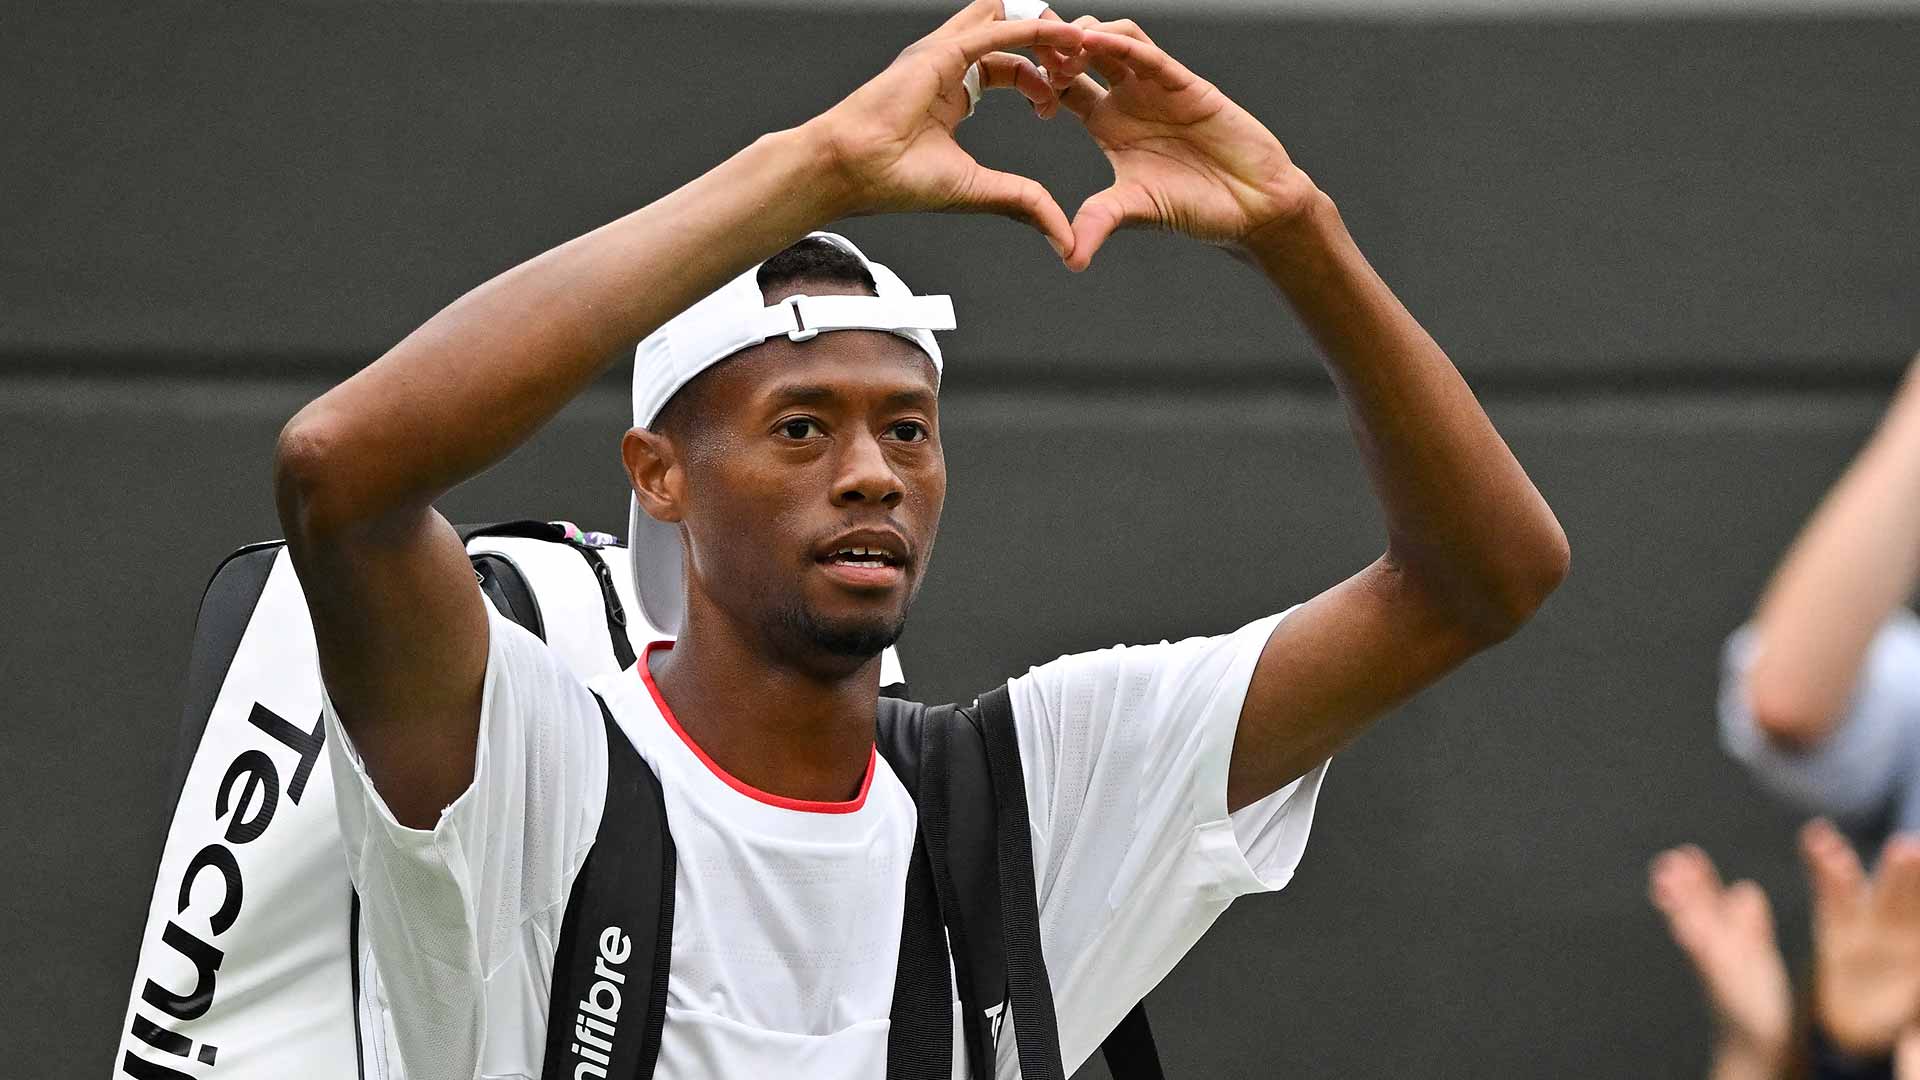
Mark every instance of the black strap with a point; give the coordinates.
(1029, 991)
(1129, 1050)
(616, 612)
(920, 1034)
(353, 980)
(609, 998)
(502, 583)
(939, 756)
(934, 804)
(527, 527)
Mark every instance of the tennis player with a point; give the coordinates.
(803, 477)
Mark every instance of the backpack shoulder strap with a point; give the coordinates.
(609, 997)
(1129, 1048)
(939, 757)
(1029, 990)
(897, 737)
(949, 781)
(974, 818)
(920, 1035)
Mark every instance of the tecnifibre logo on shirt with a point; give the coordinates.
(595, 1025)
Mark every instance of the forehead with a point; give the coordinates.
(850, 366)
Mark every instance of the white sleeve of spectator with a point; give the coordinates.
(1126, 753)
(468, 912)
(1855, 774)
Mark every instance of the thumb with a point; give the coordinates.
(1022, 199)
(1103, 213)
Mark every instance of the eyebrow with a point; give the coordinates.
(809, 394)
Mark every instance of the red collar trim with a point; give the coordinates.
(804, 805)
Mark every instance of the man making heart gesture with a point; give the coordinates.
(788, 479)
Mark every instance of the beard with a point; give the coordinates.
(856, 639)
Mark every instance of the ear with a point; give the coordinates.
(655, 470)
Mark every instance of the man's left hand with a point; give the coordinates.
(1184, 156)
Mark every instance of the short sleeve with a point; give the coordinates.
(463, 918)
(1859, 774)
(1126, 753)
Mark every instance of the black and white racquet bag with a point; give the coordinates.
(251, 961)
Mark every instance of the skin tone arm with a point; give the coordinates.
(401, 629)
(1857, 560)
(1472, 548)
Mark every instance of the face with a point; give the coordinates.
(809, 491)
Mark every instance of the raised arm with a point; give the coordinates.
(1853, 565)
(401, 628)
(1472, 548)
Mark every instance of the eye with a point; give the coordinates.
(908, 431)
(801, 428)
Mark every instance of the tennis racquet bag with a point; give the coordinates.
(251, 962)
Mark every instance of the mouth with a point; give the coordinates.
(865, 560)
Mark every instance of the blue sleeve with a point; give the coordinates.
(1864, 769)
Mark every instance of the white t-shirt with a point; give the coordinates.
(787, 915)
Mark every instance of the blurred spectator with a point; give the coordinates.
(1865, 1003)
(1820, 695)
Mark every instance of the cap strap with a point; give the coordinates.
(802, 317)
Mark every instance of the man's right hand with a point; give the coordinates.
(891, 142)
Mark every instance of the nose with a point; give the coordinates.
(865, 475)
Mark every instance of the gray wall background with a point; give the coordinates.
(1676, 255)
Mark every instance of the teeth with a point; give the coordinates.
(862, 556)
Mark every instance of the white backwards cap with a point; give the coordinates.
(735, 317)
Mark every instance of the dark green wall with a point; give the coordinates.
(1577, 197)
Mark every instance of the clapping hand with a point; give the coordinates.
(1727, 933)
(1866, 940)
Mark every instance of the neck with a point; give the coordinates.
(786, 730)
